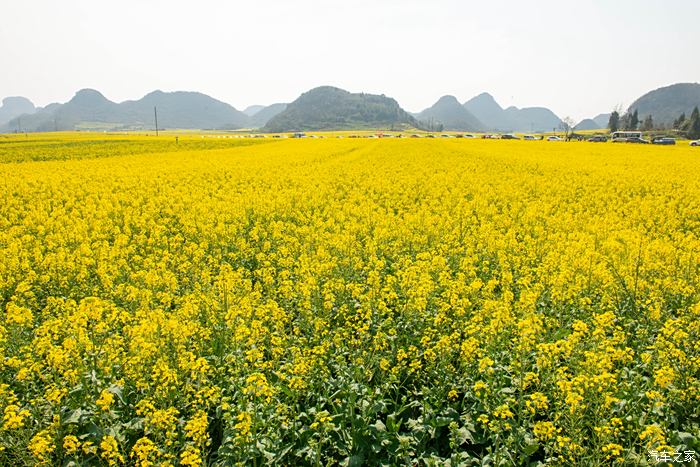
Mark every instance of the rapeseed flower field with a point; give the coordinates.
(346, 302)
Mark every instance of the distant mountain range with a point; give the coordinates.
(599, 122)
(489, 113)
(668, 103)
(13, 107)
(253, 109)
(533, 119)
(452, 115)
(89, 109)
(262, 116)
(664, 104)
(321, 108)
(494, 118)
(587, 124)
(330, 108)
(602, 120)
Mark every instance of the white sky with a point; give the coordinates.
(579, 58)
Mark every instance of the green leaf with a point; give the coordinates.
(532, 448)
(463, 435)
(135, 424)
(686, 438)
(442, 421)
(73, 417)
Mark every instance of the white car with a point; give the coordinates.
(695, 143)
(554, 138)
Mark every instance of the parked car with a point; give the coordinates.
(530, 138)
(508, 136)
(637, 140)
(665, 140)
(554, 138)
(598, 139)
(469, 136)
(695, 143)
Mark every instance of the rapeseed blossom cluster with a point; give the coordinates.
(316, 301)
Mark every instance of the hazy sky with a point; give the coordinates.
(578, 58)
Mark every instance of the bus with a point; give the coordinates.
(623, 136)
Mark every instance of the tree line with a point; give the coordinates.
(689, 126)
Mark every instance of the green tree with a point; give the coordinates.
(648, 123)
(614, 121)
(679, 123)
(634, 120)
(625, 123)
(694, 124)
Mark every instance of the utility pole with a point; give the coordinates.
(19, 124)
(155, 112)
